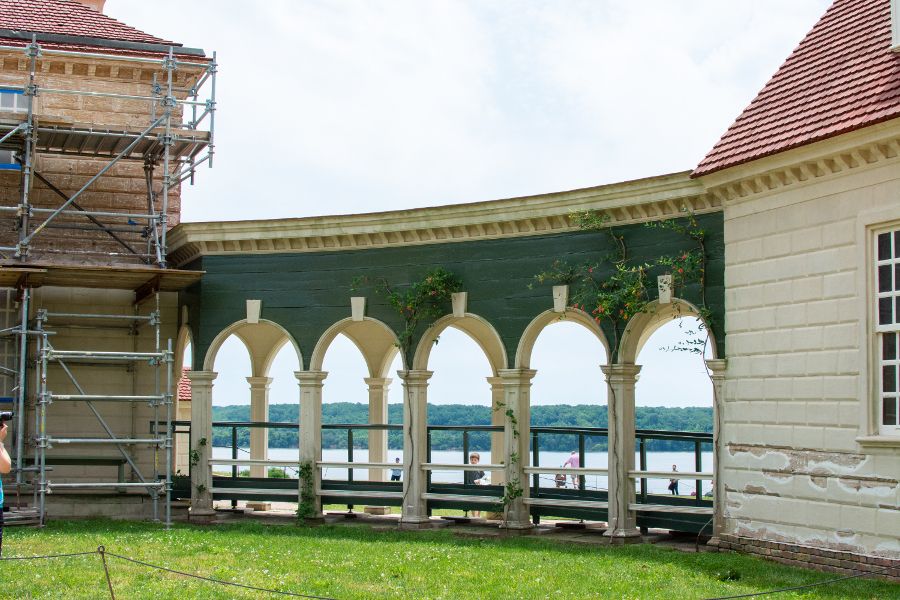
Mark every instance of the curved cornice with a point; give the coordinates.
(629, 202)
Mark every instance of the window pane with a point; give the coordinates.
(889, 346)
(889, 378)
(884, 246)
(6, 102)
(897, 277)
(897, 244)
(889, 411)
(884, 279)
(884, 311)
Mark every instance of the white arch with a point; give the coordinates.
(476, 327)
(644, 324)
(263, 341)
(375, 340)
(540, 322)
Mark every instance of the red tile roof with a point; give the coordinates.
(71, 18)
(184, 386)
(842, 77)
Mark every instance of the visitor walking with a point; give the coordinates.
(673, 483)
(5, 467)
(397, 472)
(574, 462)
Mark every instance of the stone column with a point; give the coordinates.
(516, 410)
(311, 430)
(621, 380)
(717, 374)
(378, 439)
(415, 401)
(259, 411)
(378, 415)
(201, 444)
(498, 417)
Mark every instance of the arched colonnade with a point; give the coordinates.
(510, 383)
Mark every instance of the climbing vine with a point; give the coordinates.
(306, 509)
(421, 302)
(615, 288)
(513, 488)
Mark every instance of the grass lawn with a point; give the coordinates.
(355, 561)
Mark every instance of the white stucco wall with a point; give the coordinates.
(798, 392)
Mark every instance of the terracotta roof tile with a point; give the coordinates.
(843, 76)
(184, 386)
(68, 17)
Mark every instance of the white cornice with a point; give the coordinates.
(629, 202)
(834, 157)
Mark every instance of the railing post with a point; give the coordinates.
(621, 381)
(310, 430)
(581, 460)
(717, 368)
(201, 444)
(234, 455)
(698, 467)
(536, 478)
(517, 426)
(415, 442)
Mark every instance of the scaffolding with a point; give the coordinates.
(177, 138)
(168, 143)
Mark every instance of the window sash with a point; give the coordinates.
(886, 287)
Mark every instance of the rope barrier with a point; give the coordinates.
(103, 554)
(806, 586)
(211, 580)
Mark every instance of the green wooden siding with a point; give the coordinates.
(308, 292)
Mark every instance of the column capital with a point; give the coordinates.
(201, 376)
(259, 382)
(617, 373)
(310, 378)
(378, 382)
(516, 375)
(494, 381)
(717, 367)
(418, 376)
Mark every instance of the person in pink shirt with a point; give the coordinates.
(574, 463)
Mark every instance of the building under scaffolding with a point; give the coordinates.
(96, 138)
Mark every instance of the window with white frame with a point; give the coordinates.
(887, 311)
(13, 101)
(8, 319)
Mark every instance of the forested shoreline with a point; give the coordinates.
(697, 419)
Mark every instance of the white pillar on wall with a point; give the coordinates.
(621, 380)
(717, 374)
(415, 405)
(498, 418)
(259, 412)
(516, 410)
(201, 443)
(378, 415)
(311, 383)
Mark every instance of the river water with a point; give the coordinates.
(656, 461)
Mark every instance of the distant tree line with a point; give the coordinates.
(698, 419)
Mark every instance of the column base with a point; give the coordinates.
(259, 505)
(518, 527)
(377, 510)
(201, 516)
(415, 522)
(624, 536)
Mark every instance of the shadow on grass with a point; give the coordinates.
(754, 573)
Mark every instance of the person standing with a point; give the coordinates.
(673, 483)
(5, 467)
(474, 477)
(574, 462)
(397, 472)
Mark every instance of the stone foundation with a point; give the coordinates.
(821, 559)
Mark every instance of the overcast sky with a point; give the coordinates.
(329, 107)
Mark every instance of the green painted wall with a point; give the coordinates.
(307, 293)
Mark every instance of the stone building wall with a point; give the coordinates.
(802, 465)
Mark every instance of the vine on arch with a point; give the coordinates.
(616, 297)
(422, 302)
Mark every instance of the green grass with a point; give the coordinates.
(355, 561)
